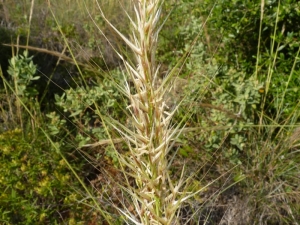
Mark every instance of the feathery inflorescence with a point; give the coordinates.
(156, 199)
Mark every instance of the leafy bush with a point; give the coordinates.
(82, 107)
(35, 182)
(22, 71)
(243, 99)
(35, 179)
(261, 38)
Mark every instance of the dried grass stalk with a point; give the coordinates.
(156, 199)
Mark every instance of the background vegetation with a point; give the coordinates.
(237, 92)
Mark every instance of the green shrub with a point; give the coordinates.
(81, 106)
(23, 72)
(244, 99)
(258, 37)
(38, 187)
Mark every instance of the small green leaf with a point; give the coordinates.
(183, 152)
(281, 47)
(76, 113)
(35, 78)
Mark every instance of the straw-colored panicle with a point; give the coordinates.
(151, 122)
(155, 199)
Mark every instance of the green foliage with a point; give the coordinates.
(241, 85)
(22, 70)
(179, 30)
(55, 124)
(34, 180)
(230, 85)
(262, 43)
(81, 106)
(218, 96)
